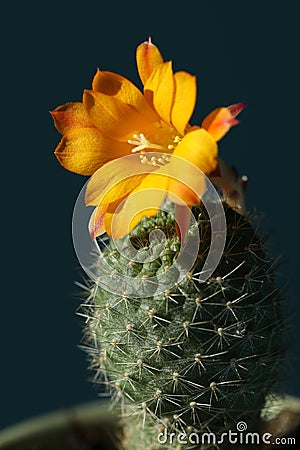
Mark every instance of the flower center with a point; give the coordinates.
(141, 143)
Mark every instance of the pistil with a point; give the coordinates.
(142, 143)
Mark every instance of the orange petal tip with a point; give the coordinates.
(236, 108)
(96, 223)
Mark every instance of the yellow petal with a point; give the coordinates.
(69, 116)
(118, 87)
(145, 200)
(84, 150)
(186, 183)
(199, 148)
(196, 154)
(181, 194)
(113, 117)
(147, 57)
(121, 189)
(114, 180)
(159, 90)
(119, 224)
(180, 180)
(100, 221)
(219, 122)
(184, 100)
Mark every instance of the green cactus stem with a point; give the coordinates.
(198, 358)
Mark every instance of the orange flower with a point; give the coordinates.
(115, 119)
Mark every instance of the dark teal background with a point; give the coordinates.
(239, 51)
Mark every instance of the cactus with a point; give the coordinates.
(198, 358)
(182, 354)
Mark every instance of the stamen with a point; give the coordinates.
(144, 159)
(141, 143)
(154, 161)
(176, 141)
